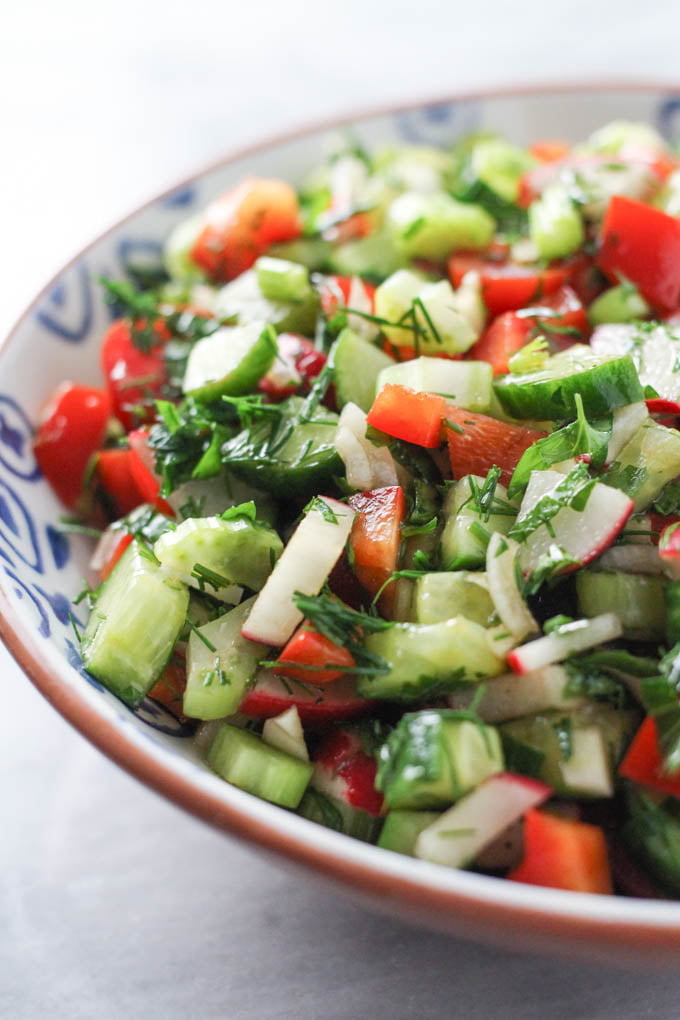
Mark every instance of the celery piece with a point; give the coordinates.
(282, 280)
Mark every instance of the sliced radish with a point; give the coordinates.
(632, 559)
(313, 550)
(271, 695)
(462, 832)
(582, 534)
(344, 771)
(565, 641)
(285, 732)
(367, 466)
(501, 559)
(511, 696)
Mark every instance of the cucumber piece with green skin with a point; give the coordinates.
(282, 280)
(442, 595)
(134, 625)
(575, 750)
(467, 384)
(500, 165)
(243, 301)
(555, 224)
(550, 394)
(287, 456)
(312, 252)
(653, 346)
(220, 664)
(637, 600)
(623, 303)
(646, 463)
(358, 366)
(432, 225)
(240, 551)
(432, 758)
(402, 828)
(460, 547)
(424, 658)
(652, 832)
(374, 257)
(231, 361)
(244, 760)
(339, 815)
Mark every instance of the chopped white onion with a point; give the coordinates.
(367, 466)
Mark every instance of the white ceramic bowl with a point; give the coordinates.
(40, 569)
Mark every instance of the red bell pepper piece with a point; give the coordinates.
(478, 442)
(124, 541)
(242, 224)
(308, 647)
(376, 538)
(643, 244)
(643, 762)
(507, 286)
(71, 429)
(563, 854)
(134, 378)
(270, 695)
(406, 414)
(143, 469)
(113, 473)
(506, 335)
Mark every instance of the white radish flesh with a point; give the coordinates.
(313, 550)
(285, 733)
(567, 640)
(632, 559)
(511, 696)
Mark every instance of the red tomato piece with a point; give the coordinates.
(270, 695)
(376, 538)
(114, 474)
(242, 224)
(134, 378)
(308, 647)
(406, 414)
(506, 285)
(643, 244)
(143, 469)
(71, 429)
(643, 762)
(506, 335)
(483, 441)
(563, 854)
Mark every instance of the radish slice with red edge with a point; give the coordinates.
(463, 831)
(270, 695)
(567, 640)
(312, 551)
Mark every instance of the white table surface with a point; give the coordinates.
(113, 903)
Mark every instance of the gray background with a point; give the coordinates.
(112, 902)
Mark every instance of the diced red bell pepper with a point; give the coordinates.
(478, 442)
(143, 469)
(643, 244)
(304, 362)
(406, 414)
(506, 285)
(134, 378)
(643, 762)
(548, 150)
(308, 647)
(270, 695)
(506, 335)
(348, 771)
(124, 541)
(242, 224)
(563, 854)
(71, 429)
(113, 474)
(376, 538)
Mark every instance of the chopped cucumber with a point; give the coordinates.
(550, 394)
(646, 464)
(220, 664)
(654, 348)
(134, 625)
(213, 554)
(555, 224)
(402, 828)
(312, 252)
(428, 658)
(375, 257)
(432, 758)
(243, 301)
(394, 300)
(446, 594)
(177, 251)
(339, 815)
(358, 367)
(511, 696)
(653, 834)
(244, 760)
(462, 547)
(500, 165)
(432, 225)
(230, 361)
(618, 304)
(467, 384)
(637, 600)
(281, 280)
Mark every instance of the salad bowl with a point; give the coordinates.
(42, 566)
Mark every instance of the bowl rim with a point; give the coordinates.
(483, 907)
